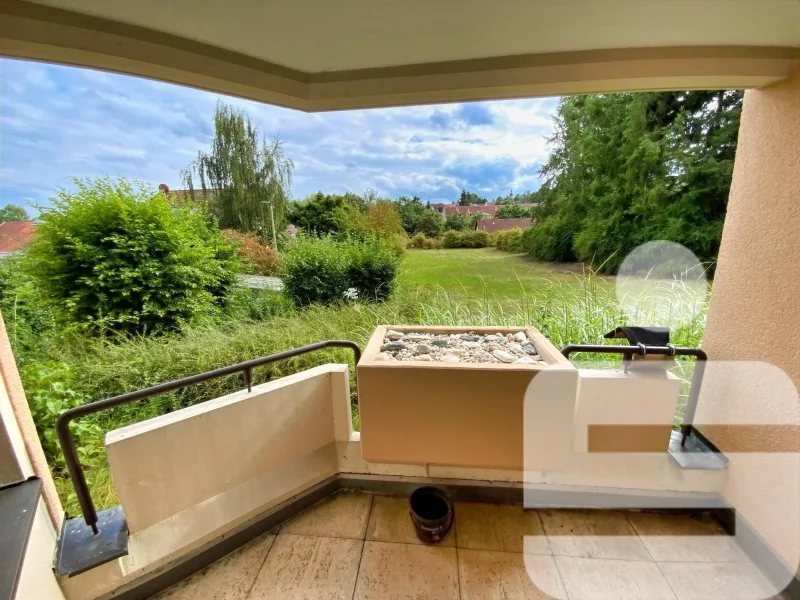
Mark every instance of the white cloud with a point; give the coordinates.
(61, 122)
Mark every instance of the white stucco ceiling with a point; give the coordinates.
(332, 35)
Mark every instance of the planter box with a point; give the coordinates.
(455, 414)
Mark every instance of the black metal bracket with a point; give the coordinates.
(628, 352)
(80, 549)
(68, 444)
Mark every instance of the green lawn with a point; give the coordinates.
(484, 273)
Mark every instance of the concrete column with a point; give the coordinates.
(755, 307)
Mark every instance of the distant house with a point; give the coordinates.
(181, 198)
(492, 225)
(490, 208)
(15, 236)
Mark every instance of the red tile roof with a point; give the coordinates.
(15, 236)
(185, 197)
(492, 225)
(473, 209)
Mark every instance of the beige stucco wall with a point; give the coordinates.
(226, 451)
(755, 308)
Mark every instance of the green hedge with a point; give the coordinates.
(509, 240)
(466, 239)
(326, 271)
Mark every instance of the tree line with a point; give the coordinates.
(626, 169)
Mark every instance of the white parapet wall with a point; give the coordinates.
(238, 451)
(188, 478)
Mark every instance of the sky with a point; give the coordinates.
(62, 122)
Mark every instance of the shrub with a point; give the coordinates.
(509, 240)
(316, 270)
(458, 222)
(372, 269)
(418, 241)
(431, 224)
(324, 270)
(466, 239)
(422, 242)
(111, 255)
(262, 259)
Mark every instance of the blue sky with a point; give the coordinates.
(62, 122)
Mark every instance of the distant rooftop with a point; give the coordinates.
(15, 236)
(492, 225)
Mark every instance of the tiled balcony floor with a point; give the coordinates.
(363, 547)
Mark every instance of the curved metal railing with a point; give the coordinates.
(68, 443)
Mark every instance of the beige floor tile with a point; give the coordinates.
(487, 575)
(230, 578)
(717, 581)
(665, 537)
(392, 571)
(599, 579)
(389, 521)
(308, 568)
(343, 515)
(501, 527)
(592, 534)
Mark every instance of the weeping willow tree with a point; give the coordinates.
(244, 177)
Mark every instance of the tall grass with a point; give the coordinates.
(578, 311)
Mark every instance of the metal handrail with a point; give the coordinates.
(628, 353)
(68, 444)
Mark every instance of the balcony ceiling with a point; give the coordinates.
(320, 54)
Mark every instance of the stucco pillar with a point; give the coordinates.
(755, 308)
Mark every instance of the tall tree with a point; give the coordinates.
(246, 177)
(630, 168)
(411, 212)
(12, 212)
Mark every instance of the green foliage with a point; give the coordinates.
(514, 211)
(411, 211)
(260, 258)
(466, 239)
(420, 241)
(372, 269)
(47, 386)
(508, 240)
(112, 255)
(383, 220)
(458, 222)
(430, 224)
(12, 212)
(315, 270)
(551, 240)
(244, 304)
(28, 319)
(243, 174)
(528, 197)
(325, 270)
(327, 214)
(630, 168)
